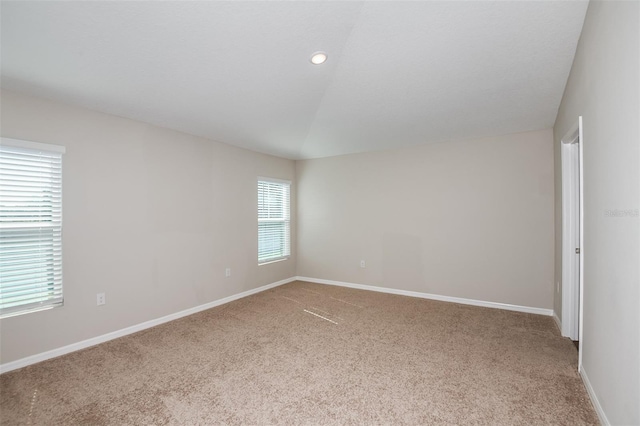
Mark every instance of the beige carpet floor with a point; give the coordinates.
(312, 354)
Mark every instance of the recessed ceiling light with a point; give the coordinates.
(318, 58)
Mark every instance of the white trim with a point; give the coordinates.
(558, 322)
(571, 153)
(581, 301)
(33, 359)
(594, 399)
(274, 180)
(280, 259)
(32, 145)
(473, 302)
(20, 363)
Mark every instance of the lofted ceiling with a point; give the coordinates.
(398, 73)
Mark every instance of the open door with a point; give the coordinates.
(572, 249)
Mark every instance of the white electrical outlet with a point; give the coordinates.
(362, 264)
(101, 299)
(227, 272)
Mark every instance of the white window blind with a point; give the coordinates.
(274, 236)
(30, 226)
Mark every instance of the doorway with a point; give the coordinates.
(572, 234)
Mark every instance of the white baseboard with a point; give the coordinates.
(496, 305)
(23, 362)
(14, 365)
(594, 399)
(558, 322)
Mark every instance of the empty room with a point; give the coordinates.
(320, 212)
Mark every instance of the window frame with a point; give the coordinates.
(53, 263)
(286, 220)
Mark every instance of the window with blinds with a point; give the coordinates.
(30, 226)
(274, 235)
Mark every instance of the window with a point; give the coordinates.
(30, 226)
(274, 236)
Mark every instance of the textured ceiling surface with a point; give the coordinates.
(398, 74)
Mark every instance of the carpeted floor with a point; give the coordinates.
(313, 354)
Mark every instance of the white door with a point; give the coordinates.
(572, 250)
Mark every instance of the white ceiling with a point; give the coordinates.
(398, 73)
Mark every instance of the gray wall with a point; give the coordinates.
(603, 88)
(151, 217)
(471, 219)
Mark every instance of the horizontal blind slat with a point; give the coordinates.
(29, 289)
(11, 277)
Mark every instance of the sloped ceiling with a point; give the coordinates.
(398, 74)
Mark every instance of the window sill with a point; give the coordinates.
(267, 262)
(31, 310)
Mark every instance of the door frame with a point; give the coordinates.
(572, 233)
